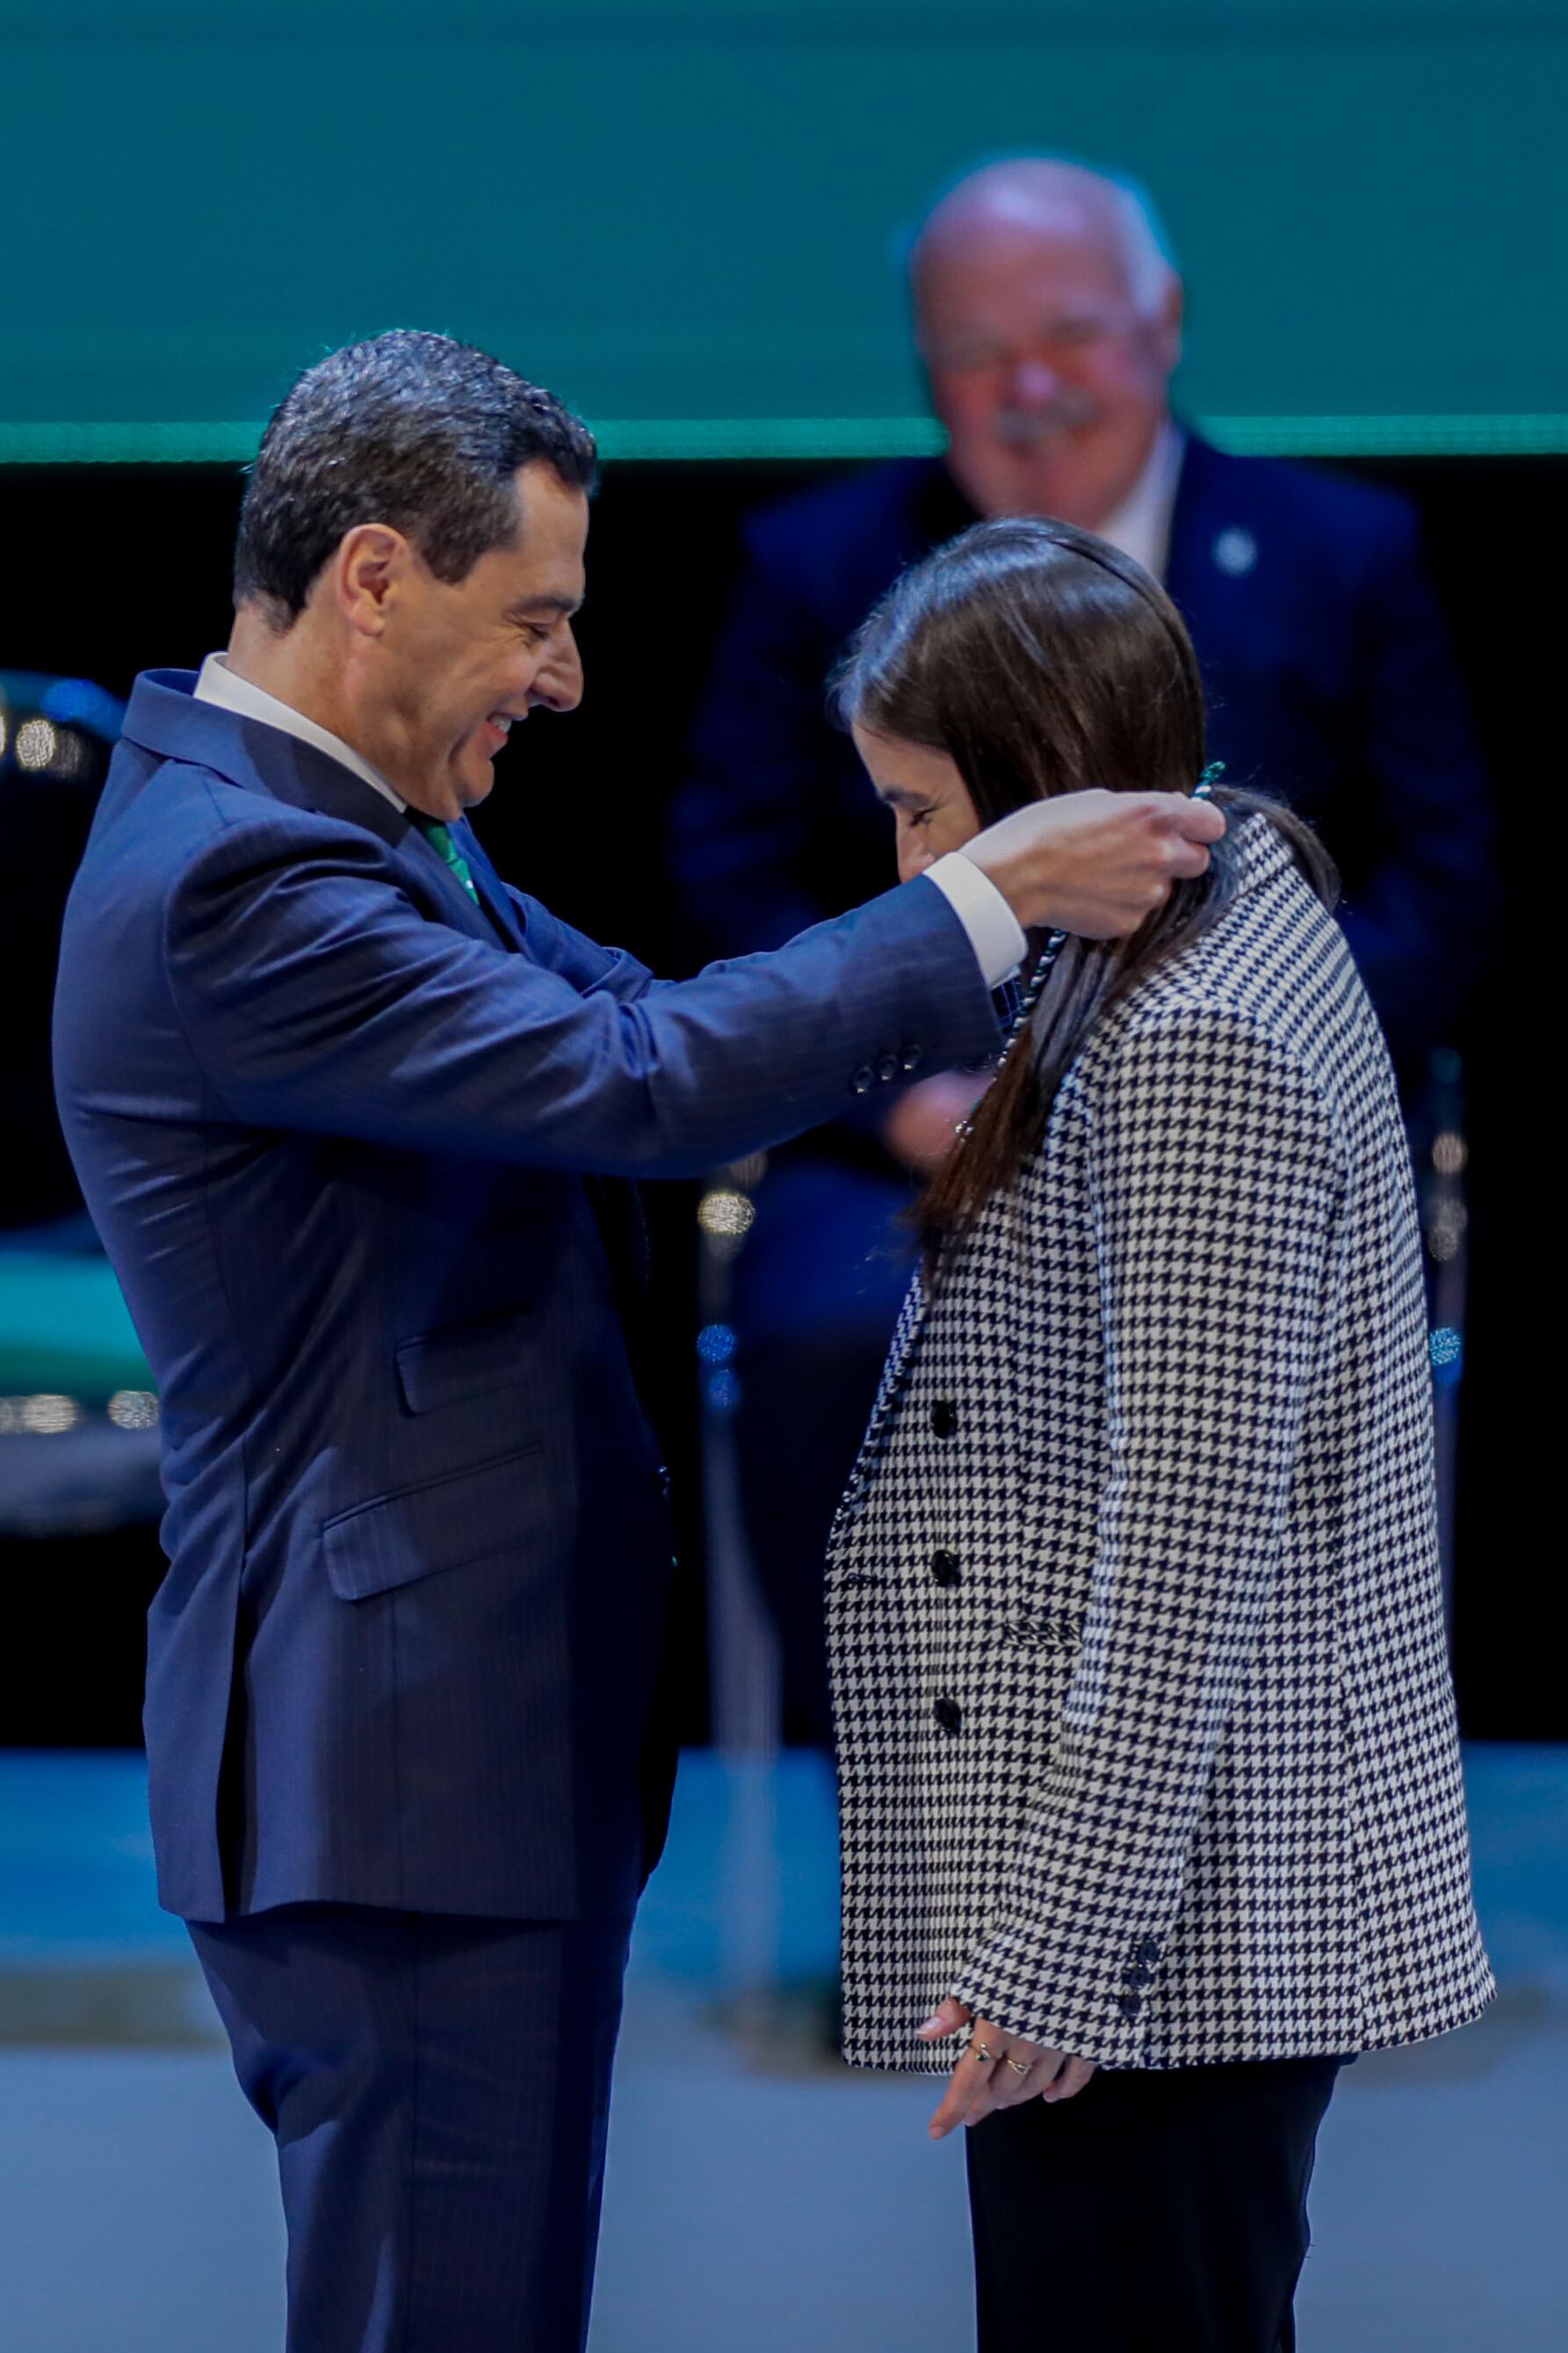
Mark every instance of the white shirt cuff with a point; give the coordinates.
(994, 932)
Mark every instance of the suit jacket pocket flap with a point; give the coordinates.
(463, 1516)
(467, 1360)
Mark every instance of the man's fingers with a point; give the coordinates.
(1187, 828)
(1188, 859)
(1194, 820)
(1096, 862)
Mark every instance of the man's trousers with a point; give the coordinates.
(438, 2090)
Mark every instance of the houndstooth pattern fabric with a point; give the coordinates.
(1146, 1737)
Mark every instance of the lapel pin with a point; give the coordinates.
(1236, 552)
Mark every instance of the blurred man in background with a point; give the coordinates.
(1047, 312)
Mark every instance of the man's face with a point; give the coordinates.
(457, 665)
(1051, 385)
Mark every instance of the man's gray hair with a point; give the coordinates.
(1145, 247)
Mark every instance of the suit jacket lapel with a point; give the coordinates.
(279, 765)
(1214, 550)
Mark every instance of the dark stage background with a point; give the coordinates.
(110, 570)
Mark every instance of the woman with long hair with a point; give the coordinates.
(1151, 1805)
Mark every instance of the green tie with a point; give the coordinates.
(440, 839)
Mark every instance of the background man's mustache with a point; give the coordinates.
(1021, 428)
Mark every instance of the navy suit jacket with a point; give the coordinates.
(1331, 683)
(333, 1121)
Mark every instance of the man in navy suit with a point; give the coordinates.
(1048, 315)
(355, 1120)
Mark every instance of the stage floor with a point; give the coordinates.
(760, 2199)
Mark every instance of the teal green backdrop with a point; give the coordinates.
(682, 216)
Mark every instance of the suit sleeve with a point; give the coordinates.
(590, 968)
(1421, 915)
(315, 996)
(1216, 1192)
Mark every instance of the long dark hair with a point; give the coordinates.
(1041, 661)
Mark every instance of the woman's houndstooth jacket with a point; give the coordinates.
(1146, 1736)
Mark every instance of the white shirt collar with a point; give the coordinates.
(219, 683)
(1141, 526)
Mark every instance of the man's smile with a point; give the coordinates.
(494, 730)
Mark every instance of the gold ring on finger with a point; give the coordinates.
(978, 2051)
(1017, 2066)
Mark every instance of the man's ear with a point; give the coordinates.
(368, 570)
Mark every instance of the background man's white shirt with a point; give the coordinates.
(1141, 526)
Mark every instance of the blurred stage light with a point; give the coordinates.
(36, 744)
(78, 701)
(1450, 1152)
(72, 757)
(1445, 1231)
(133, 1409)
(5, 734)
(715, 1344)
(725, 1213)
(38, 1417)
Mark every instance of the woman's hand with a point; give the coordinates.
(923, 1126)
(997, 2070)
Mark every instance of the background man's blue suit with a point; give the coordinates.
(1331, 676)
(1331, 682)
(354, 1143)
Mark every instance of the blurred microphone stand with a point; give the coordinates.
(744, 1649)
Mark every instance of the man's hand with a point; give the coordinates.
(923, 1126)
(1016, 2071)
(1096, 862)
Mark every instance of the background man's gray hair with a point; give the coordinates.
(1145, 246)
